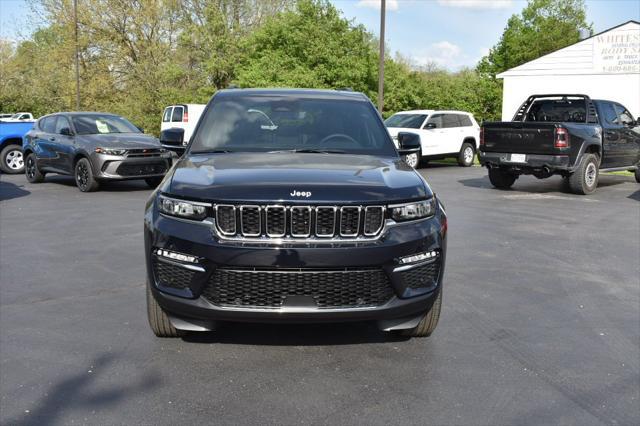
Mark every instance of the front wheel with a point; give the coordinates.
(11, 160)
(85, 180)
(637, 174)
(428, 323)
(412, 159)
(158, 319)
(502, 179)
(584, 179)
(31, 170)
(465, 157)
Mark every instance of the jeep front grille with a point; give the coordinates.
(297, 222)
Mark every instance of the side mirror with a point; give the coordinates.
(66, 131)
(409, 143)
(140, 128)
(430, 126)
(172, 137)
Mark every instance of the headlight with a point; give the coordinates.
(181, 208)
(413, 211)
(110, 151)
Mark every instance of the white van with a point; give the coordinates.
(442, 134)
(183, 116)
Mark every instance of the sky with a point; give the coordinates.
(451, 33)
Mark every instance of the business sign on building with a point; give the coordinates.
(617, 52)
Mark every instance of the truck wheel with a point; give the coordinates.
(158, 319)
(31, 170)
(412, 159)
(84, 176)
(428, 323)
(637, 174)
(11, 160)
(465, 157)
(584, 179)
(501, 179)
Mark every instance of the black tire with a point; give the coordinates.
(464, 160)
(153, 182)
(158, 319)
(33, 174)
(84, 176)
(428, 323)
(637, 174)
(584, 179)
(12, 160)
(501, 179)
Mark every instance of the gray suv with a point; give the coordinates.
(93, 147)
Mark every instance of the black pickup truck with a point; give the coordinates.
(561, 134)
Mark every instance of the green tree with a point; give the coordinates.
(310, 46)
(542, 27)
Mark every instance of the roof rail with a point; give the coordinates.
(344, 89)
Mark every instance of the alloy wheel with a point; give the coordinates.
(411, 160)
(31, 168)
(14, 159)
(82, 175)
(468, 155)
(590, 174)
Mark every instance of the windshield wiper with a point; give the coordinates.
(212, 151)
(310, 151)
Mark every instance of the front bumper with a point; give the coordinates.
(119, 167)
(197, 239)
(534, 162)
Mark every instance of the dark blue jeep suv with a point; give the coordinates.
(293, 206)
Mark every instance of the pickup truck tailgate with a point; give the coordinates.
(519, 137)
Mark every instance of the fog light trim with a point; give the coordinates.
(172, 255)
(419, 257)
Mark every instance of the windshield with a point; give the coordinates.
(410, 121)
(264, 123)
(93, 124)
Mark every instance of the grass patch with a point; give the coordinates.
(620, 173)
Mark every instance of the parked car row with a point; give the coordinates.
(568, 135)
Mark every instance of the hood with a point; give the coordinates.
(122, 140)
(296, 178)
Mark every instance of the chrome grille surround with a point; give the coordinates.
(250, 220)
(300, 220)
(322, 224)
(275, 221)
(369, 219)
(281, 223)
(220, 211)
(347, 228)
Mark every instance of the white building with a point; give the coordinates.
(603, 66)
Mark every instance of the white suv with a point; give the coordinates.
(442, 134)
(183, 116)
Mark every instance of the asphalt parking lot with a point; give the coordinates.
(540, 324)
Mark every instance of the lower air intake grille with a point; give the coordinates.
(172, 276)
(126, 169)
(270, 288)
(422, 276)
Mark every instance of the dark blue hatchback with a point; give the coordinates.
(293, 206)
